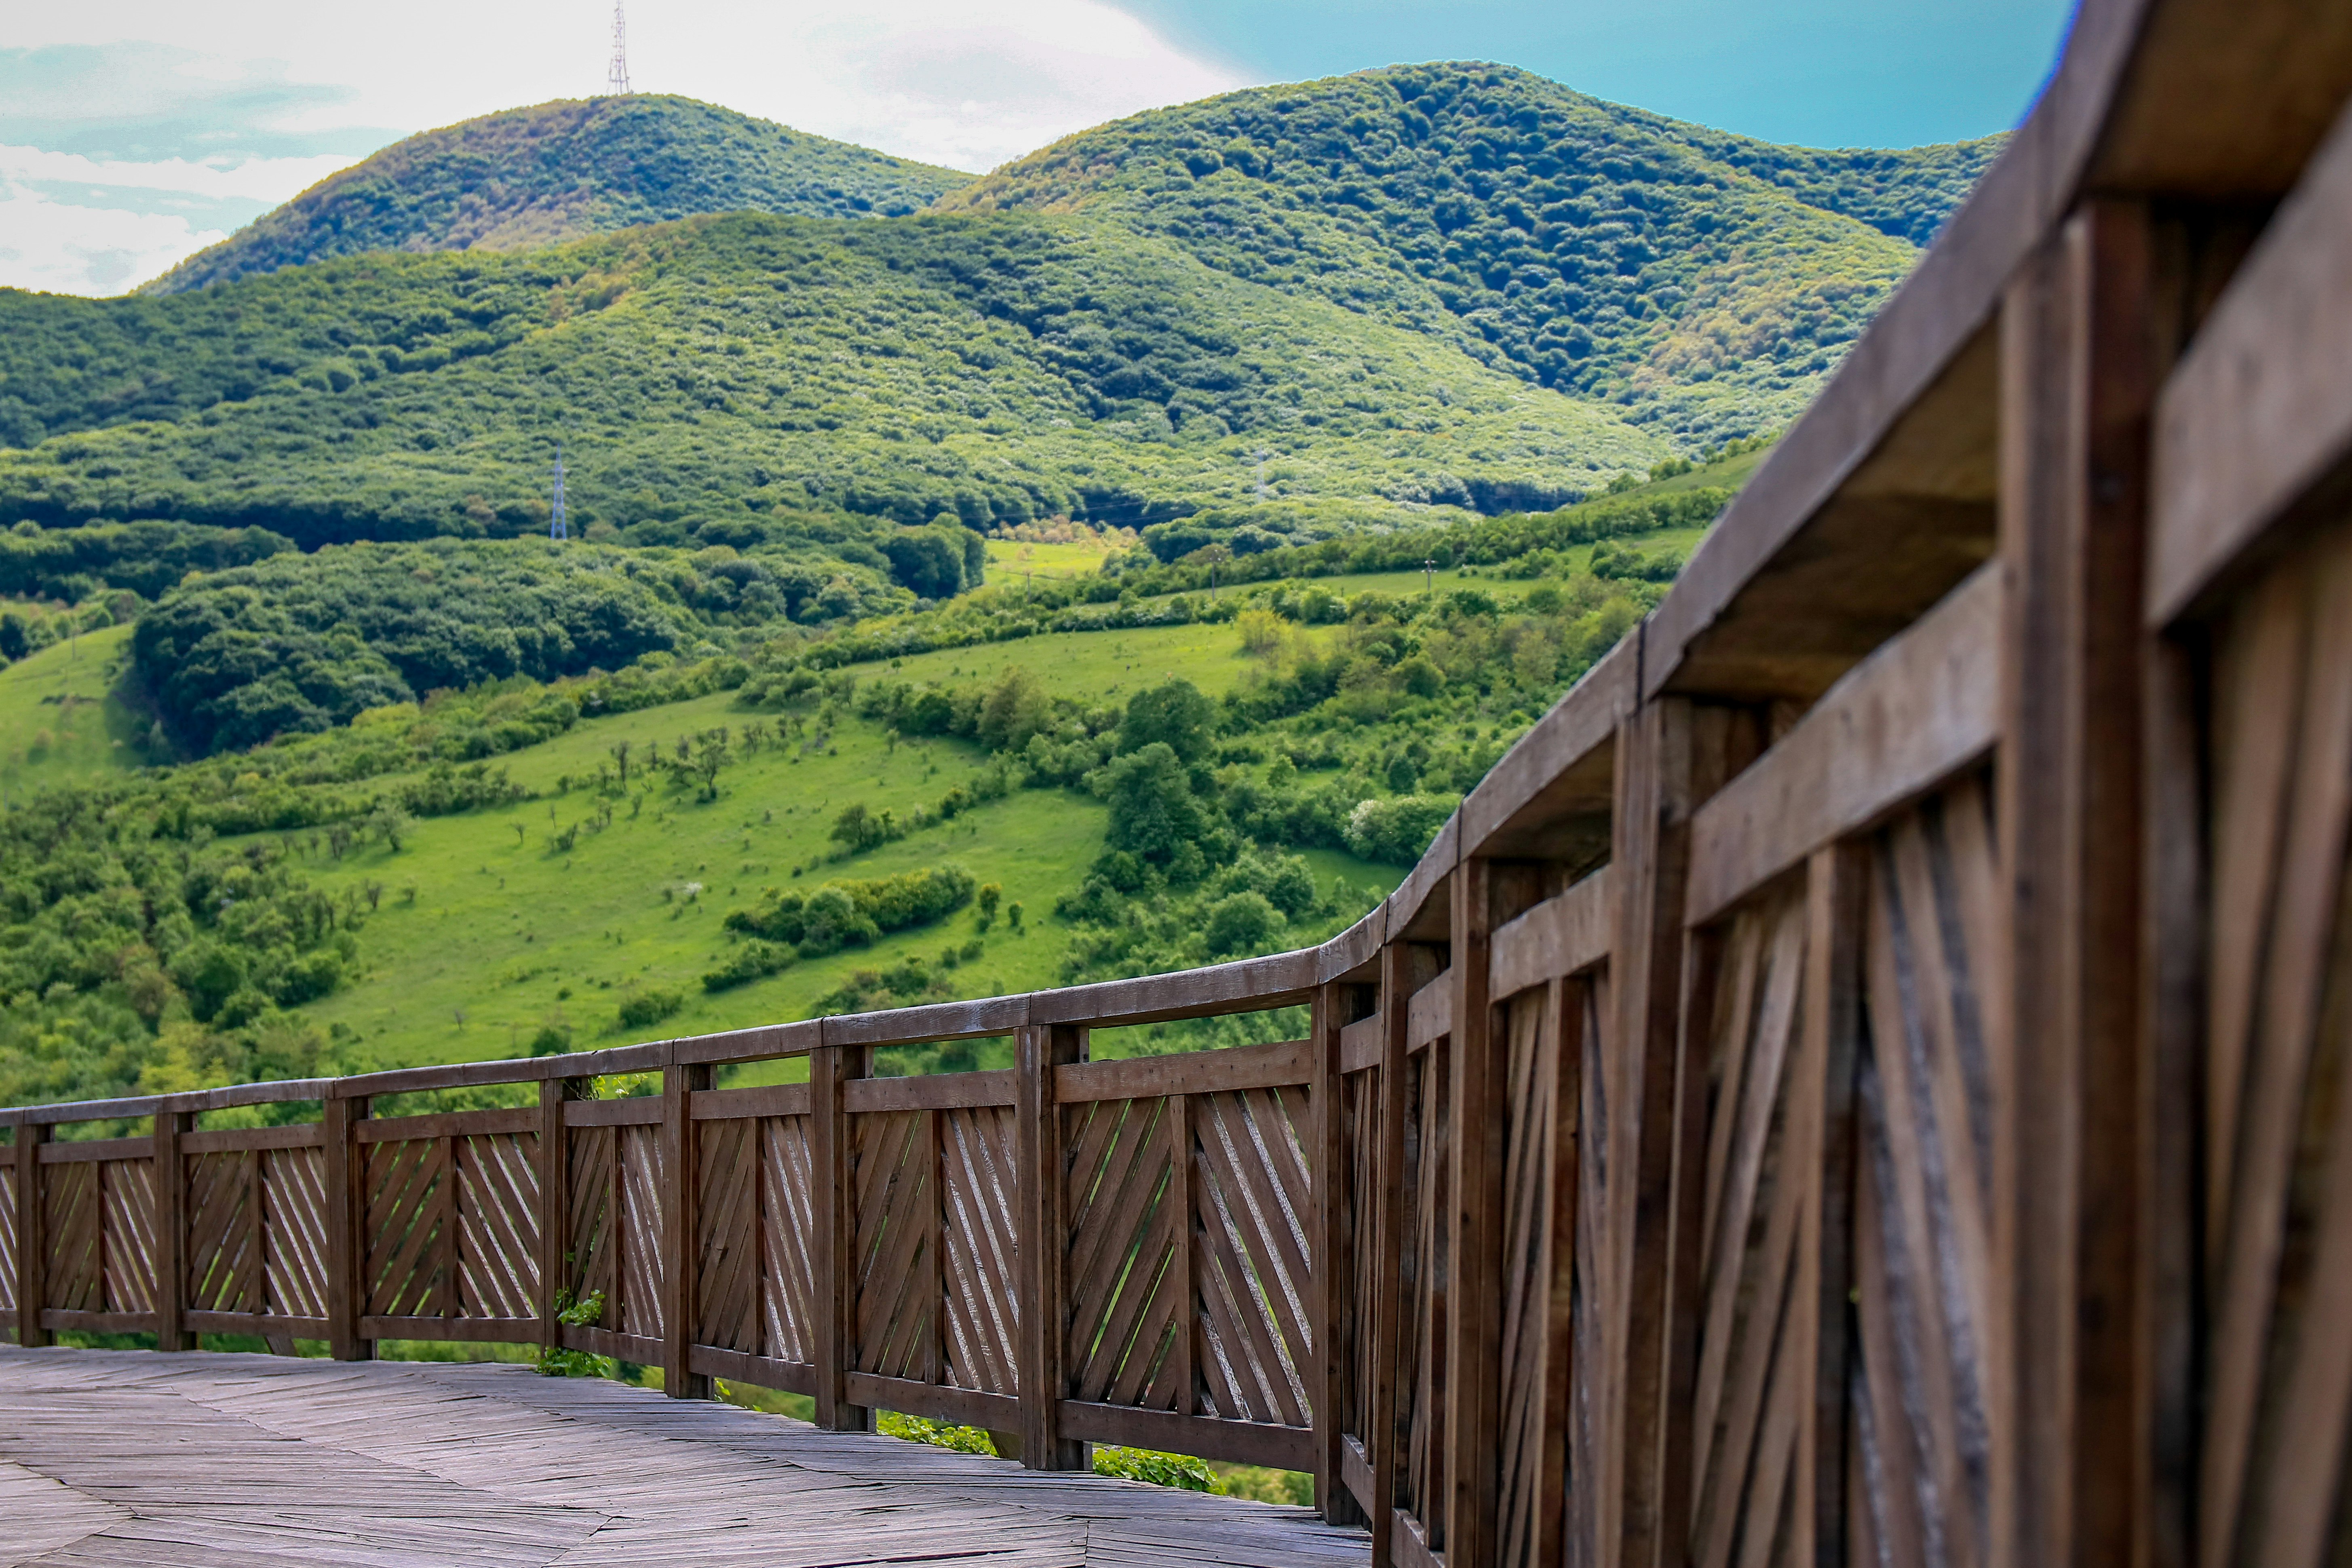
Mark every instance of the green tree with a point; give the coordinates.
(1152, 808)
(1175, 715)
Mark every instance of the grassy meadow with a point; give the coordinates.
(61, 719)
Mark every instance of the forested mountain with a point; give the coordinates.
(995, 368)
(1703, 281)
(559, 171)
(1403, 295)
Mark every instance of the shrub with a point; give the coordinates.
(647, 1008)
(1161, 1470)
(1398, 830)
(755, 960)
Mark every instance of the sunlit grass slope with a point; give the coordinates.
(60, 718)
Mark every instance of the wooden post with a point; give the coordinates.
(2080, 366)
(1328, 1170)
(554, 1210)
(834, 1245)
(1180, 1207)
(172, 1230)
(1386, 1308)
(32, 1245)
(346, 1198)
(681, 1252)
(1044, 1246)
(1473, 1352)
(1561, 1081)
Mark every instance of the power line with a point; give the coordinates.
(617, 77)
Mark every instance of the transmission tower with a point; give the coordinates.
(559, 526)
(617, 77)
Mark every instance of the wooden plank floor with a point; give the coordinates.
(203, 1460)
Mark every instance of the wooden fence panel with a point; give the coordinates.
(1422, 1295)
(294, 1231)
(2278, 1169)
(224, 1254)
(980, 1333)
(634, 1216)
(73, 1222)
(787, 1231)
(1355, 1189)
(894, 1179)
(409, 1229)
(729, 1226)
(496, 1198)
(1923, 1388)
(1132, 1335)
(8, 1237)
(127, 1238)
(595, 1155)
(1253, 1255)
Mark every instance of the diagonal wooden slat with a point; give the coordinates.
(73, 1224)
(8, 1239)
(128, 1264)
(594, 1155)
(638, 1307)
(977, 1249)
(727, 1249)
(787, 1268)
(294, 1227)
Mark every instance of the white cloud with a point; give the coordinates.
(65, 248)
(263, 179)
(968, 83)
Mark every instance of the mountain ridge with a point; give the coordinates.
(561, 170)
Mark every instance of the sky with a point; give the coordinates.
(134, 132)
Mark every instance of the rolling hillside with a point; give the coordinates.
(995, 368)
(1702, 281)
(559, 171)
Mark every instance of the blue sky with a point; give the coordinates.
(133, 132)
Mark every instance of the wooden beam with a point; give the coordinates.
(2081, 360)
(171, 1186)
(833, 1248)
(32, 1245)
(1044, 1248)
(1328, 1168)
(1905, 720)
(2254, 430)
(554, 1210)
(1561, 935)
(346, 1204)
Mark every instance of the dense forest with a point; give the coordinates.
(1700, 280)
(558, 171)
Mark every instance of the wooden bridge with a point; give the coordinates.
(1864, 1080)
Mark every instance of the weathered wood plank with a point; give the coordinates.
(1559, 936)
(1193, 1072)
(931, 1092)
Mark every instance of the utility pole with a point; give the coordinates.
(558, 524)
(1429, 575)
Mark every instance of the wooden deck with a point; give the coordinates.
(131, 1459)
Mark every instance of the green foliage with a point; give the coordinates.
(1397, 830)
(1174, 715)
(585, 1313)
(556, 171)
(938, 1434)
(143, 558)
(1179, 1470)
(756, 378)
(646, 1008)
(849, 912)
(300, 643)
(1704, 280)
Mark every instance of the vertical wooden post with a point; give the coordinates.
(1654, 801)
(1475, 1293)
(1044, 1248)
(554, 1210)
(1328, 1172)
(346, 1197)
(1386, 1306)
(1830, 1046)
(2081, 368)
(172, 1230)
(681, 1251)
(1560, 1082)
(32, 1245)
(834, 1243)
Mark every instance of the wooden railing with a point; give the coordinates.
(1863, 1080)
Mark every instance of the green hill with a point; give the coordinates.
(559, 171)
(1702, 281)
(995, 368)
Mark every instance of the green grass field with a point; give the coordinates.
(1008, 559)
(484, 935)
(60, 718)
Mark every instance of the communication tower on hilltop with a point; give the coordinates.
(559, 526)
(616, 75)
